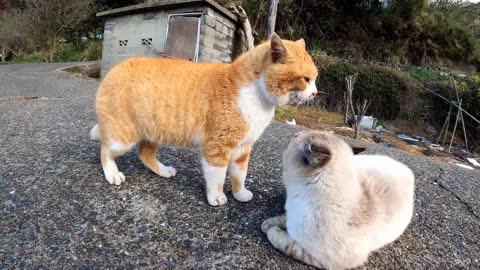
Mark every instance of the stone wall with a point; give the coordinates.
(216, 42)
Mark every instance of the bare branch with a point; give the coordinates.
(247, 27)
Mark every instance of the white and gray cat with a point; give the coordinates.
(340, 206)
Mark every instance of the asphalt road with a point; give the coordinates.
(58, 212)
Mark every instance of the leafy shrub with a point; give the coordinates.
(427, 74)
(68, 54)
(93, 52)
(391, 92)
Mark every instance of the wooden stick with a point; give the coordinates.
(464, 132)
(445, 126)
(444, 98)
(460, 114)
(455, 126)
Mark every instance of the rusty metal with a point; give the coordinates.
(182, 37)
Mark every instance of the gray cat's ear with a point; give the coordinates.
(315, 155)
(358, 150)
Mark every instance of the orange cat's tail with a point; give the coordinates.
(95, 133)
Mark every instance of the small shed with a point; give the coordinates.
(198, 30)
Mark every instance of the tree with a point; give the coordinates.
(12, 37)
(362, 107)
(272, 17)
(3, 6)
(47, 21)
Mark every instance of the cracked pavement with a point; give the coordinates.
(58, 212)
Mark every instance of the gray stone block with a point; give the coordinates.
(208, 31)
(209, 20)
(207, 41)
(218, 26)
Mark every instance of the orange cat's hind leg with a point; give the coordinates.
(147, 152)
(108, 153)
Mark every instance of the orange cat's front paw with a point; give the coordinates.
(243, 195)
(217, 199)
(115, 178)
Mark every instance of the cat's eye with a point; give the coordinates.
(306, 79)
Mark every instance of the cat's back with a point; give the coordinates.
(168, 71)
(383, 171)
(389, 189)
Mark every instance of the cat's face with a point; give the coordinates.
(311, 151)
(290, 74)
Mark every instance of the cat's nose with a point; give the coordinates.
(314, 92)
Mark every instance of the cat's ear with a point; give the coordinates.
(301, 42)
(315, 155)
(277, 49)
(358, 150)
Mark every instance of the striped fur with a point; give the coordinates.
(221, 108)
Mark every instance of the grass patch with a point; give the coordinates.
(309, 117)
(314, 118)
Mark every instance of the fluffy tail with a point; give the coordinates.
(95, 133)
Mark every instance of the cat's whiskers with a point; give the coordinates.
(316, 179)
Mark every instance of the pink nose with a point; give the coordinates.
(314, 92)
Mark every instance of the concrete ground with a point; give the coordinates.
(58, 212)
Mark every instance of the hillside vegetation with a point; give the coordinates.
(401, 50)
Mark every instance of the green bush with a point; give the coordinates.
(425, 74)
(391, 92)
(93, 52)
(68, 53)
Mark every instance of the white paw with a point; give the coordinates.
(217, 199)
(244, 195)
(116, 178)
(166, 171)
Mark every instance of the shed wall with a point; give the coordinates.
(134, 28)
(215, 44)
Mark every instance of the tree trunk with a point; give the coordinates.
(52, 50)
(3, 55)
(272, 17)
(357, 126)
(345, 118)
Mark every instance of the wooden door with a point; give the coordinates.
(182, 37)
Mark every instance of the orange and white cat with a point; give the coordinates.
(220, 108)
